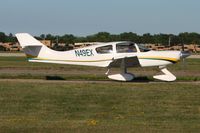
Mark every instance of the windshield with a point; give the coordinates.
(143, 48)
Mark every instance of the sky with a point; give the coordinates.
(87, 17)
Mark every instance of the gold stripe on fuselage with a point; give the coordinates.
(174, 60)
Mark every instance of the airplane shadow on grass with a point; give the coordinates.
(54, 78)
(142, 79)
(136, 79)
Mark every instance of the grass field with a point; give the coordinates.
(60, 106)
(114, 107)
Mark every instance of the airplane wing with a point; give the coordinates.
(126, 62)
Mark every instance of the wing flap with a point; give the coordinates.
(128, 62)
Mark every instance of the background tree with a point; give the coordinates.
(186, 38)
(2, 37)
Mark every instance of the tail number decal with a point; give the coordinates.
(84, 52)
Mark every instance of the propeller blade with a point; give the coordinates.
(185, 54)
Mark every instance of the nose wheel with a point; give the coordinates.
(167, 76)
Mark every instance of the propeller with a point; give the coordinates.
(184, 54)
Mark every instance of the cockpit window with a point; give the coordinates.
(126, 48)
(104, 49)
(143, 48)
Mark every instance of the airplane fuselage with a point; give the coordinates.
(89, 56)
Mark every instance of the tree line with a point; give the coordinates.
(164, 39)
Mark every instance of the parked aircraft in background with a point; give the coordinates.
(122, 54)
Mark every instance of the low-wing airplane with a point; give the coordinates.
(122, 54)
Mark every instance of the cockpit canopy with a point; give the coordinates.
(104, 49)
(122, 47)
(125, 47)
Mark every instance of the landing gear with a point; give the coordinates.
(167, 76)
(123, 76)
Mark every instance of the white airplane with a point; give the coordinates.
(122, 54)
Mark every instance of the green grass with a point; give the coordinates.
(114, 107)
(93, 107)
(88, 77)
